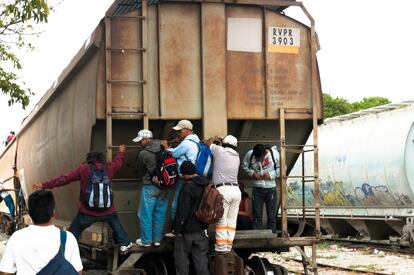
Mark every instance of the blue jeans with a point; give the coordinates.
(151, 213)
(177, 190)
(83, 221)
(266, 196)
(10, 204)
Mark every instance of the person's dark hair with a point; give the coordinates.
(258, 150)
(187, 168)
(41, 206)
(12, 132)
(94, 156)
(229, 146)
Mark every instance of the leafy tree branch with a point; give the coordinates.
(17, 18)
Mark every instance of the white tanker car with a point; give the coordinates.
(366, 164)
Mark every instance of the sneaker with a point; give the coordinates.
(157, 243)
(140, 243)
(125, 248)
(170, 235)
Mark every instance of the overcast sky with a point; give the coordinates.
(366, 49)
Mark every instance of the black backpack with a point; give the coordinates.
(59, 265)
(165, 174)
(99, 195)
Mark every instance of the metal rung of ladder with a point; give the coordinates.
(298, 145)
(136, 50)
(298, 177)
(127, 113)
(295, 151)
(128, 82)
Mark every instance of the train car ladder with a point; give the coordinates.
(110, 111)
(108, 75)
(294, 148)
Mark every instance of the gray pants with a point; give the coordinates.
(195, 244)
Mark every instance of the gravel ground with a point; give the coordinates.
(367, 259)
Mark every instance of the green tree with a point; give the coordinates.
(369, 102)
(340, 106)
(17, 18)
(335, 106)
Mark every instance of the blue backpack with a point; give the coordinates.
(204, 162)
(59, 265)
(99, 195)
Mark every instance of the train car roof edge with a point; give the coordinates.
(374, 110)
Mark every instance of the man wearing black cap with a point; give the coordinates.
(262, 165)
(191, 234)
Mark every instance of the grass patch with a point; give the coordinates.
(369, 267)
(324, 245)
(329, 257)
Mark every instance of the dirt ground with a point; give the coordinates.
(362, 258)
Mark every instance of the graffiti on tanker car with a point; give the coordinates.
(294, 190)
(333, 194)
(371, 195)
(380, 195)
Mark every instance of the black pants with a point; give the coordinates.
(195, 244)
(266, 196)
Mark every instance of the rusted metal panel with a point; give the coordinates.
(58, 139)
(180, 64)
(153, 69)
(288, 73)
(126, 63)
(244, 72)
(214, 69)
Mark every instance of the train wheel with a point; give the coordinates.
(279, 270)
(260, 266)
(156, 267)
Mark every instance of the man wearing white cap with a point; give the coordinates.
(186, 150)
(154, 201)
(225, 172)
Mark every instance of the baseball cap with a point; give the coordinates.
(183, 124)
(142, 134)
(231, 140)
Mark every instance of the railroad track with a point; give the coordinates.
(386, 246)
(322, 266)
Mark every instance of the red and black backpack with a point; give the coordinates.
(165, 174)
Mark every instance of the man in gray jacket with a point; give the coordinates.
(154, 201)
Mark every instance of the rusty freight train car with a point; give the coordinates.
(240, 67)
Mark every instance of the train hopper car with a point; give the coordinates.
(366, 175)
(239, 67)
